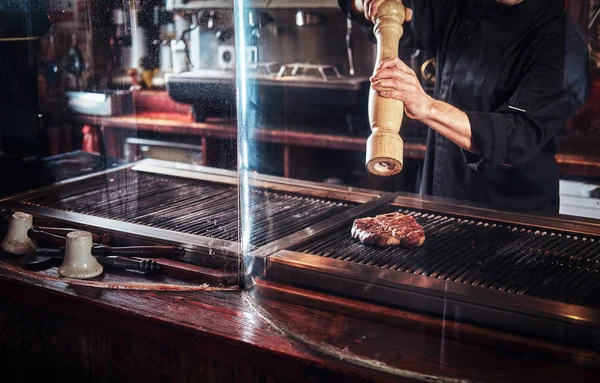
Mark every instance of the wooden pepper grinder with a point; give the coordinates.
(385, 148)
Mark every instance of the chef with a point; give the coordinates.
(510, 74)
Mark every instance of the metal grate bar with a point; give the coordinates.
(568, 257)
(520, 260)
(191, 206)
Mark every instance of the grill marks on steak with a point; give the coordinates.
(370, 232)
(404, 227)
(390, 229)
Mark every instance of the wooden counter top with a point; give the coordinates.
(169, 336)
(578, 154)
(176, 123)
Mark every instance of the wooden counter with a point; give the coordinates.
(87, 334)
(578, 154)
(176, 123)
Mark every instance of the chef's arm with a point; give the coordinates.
(394, 79)
(548, 95)
(450, 122)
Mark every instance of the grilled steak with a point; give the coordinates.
(391, 229)
(370, 232)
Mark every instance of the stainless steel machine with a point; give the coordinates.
(309, 66)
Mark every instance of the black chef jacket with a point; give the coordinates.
(519, 73)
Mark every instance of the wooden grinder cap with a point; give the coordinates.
(385, 149)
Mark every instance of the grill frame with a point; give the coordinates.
(544, 264)
(531, 316)
(521, 314)
(203, 250)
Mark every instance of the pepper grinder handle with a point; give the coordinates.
(385, 148)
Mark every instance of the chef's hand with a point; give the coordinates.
(369, 8)
(394, 79)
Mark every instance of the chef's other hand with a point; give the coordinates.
(369, 8)
(394, 79)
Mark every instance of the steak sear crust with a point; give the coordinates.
(369, 232)
(390, 229)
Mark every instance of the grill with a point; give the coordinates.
(526, 274)
(190, 206)
(544, 264)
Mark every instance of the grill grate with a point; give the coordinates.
(549, 265)
(191, 206)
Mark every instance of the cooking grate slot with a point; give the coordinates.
(191, 206)
(557, 266)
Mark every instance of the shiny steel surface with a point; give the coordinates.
(545, 264)
(523, 273)
(190, 205)
(271, 183)
(199, 250)
(555, 321)
(576, 225)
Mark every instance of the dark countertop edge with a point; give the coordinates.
(279, 362)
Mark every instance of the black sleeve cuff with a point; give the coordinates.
(489, 137)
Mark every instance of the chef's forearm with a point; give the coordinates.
(451, 123)
(357, 7)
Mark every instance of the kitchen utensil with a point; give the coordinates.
(385, 148)
(101, 249)
(46, 257)
(79, 263)
(16, 240)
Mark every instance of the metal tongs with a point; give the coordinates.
(122, 258)
(44, 256)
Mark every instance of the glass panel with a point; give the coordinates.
(460, 184)
(122, 112)
(474, 133)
